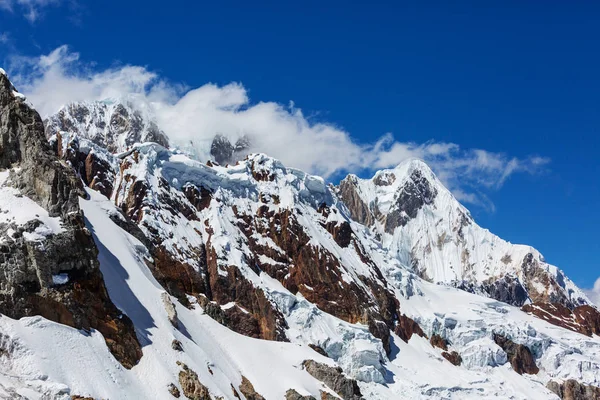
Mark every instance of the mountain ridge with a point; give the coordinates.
(252, 280)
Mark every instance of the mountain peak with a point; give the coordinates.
(116, 124)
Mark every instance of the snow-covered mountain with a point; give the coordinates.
(114, 124)
(421, 223)
(147, 274)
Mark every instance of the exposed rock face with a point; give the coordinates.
(334, 379)
(224, 152)
(535, 276)
(55, 274)
(453, 357)
(582, 319)
(174, 390)
(407, 327)
(412, 196)
(176, 345)
(520, 356)
(293, 395)
(359, 210)
(248, 391)
(416, 193)
(418, 219)
(192, 388)
(114, 126)
(507, 289)
(573, 390)
(438, 341)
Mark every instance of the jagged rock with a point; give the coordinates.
(170, 309)
(407, 327)
(27, 267)
(191, 386)
(224, 152)
(293, 395)
(507, 289)
(438, 341)
(248, 391)
(520, 356)
(176, 345)
(582, 319)
(315, 272)
(573, 390)
(318, 349)
(414, 195)
(453, 357)
(114, 126)
(174, 390)
(334, 379)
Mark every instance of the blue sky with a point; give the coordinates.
(515, 79)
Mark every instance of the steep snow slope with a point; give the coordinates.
(263, 182)
(424, 226)
(49, 359)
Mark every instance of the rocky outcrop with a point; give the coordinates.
(519, 356)
(248, 391)
(359, 210)
(582, 319)
(174, 390)
(315, 273)
(191, 386)
(334, 379)
(407, 327)
(176, 345)
(293, 395)
(507, 289)
(438, 341)
(573, 390)
(410, 198)
(55, 275)
(224, 152)
(415, 193)
(453, 357)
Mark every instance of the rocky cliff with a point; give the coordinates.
(48, 259)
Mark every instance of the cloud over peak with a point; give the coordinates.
(192, 117)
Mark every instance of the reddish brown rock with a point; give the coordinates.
(573, 390)
(583, 319)
(520, 356)
(316, 273)
(438, 341)
(248, 391)
(191, 386)
(99, 174)
(453, 357)
(407, 327)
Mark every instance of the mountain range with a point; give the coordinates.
(131, 269)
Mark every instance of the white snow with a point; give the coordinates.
(60, 279)
(18, 209)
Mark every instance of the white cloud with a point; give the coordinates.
(31, 9)
(594, 293)
(193, 117)
(4, 37)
